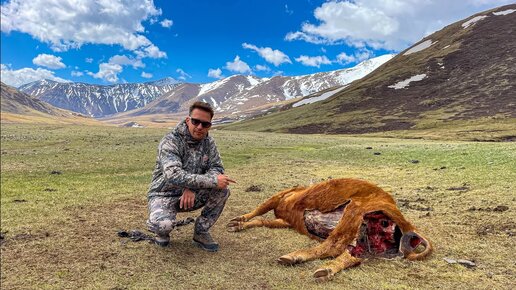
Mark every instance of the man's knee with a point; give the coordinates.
(161, 226)
(223, 193)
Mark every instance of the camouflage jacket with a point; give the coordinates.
(184, 162)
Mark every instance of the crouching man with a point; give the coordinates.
(188, 175)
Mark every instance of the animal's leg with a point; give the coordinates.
(318, 252)
(236, 226)
(265, 207)
(344, 261)
(343, 235)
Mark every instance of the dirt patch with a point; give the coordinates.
(253, 188)
(500, 208)
(464, 188)
(414, 204)
(508, 228)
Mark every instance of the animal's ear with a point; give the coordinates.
(411, 244)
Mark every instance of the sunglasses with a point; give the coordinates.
(196, 122)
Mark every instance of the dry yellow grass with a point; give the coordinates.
(61, 228)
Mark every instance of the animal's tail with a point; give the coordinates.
(410, 242)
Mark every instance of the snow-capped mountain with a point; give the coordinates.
(230, 95)
(239, 93)
(98, 100)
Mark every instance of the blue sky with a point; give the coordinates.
(116, 41)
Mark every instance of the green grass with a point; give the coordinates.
(63, 232)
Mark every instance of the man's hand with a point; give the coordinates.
(187, 199)
(223, 181)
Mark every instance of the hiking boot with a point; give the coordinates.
(162, 241)
(205, 242)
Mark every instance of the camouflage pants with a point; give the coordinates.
(163, 210)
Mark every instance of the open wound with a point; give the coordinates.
(378, 236)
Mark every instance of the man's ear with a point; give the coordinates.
(187, 119)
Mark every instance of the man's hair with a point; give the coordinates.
(203, 107)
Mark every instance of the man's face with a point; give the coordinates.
(198, 131)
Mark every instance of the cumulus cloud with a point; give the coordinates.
(77, 73)
(66, 24)
(260, 67)
(110, 70)
(357, 56)
(315, 61)
(273, 56)
(48, 60)
(182, 74)
(26, 75)
(215, 73)
(146, 75)
(238, 66)
(392, 25)
(125, 60)
(167, 23)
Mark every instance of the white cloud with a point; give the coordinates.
(146, 75)
(238, 66)
(167, 23)
(26, 75)
(88, 60)
(260, 67)
(215, 73)
(110, 70)
(125, 60)
(182, 74)
(288, 11)
(313, 60)
(66, 24)
(273, 56)
(48, 60)
(392, 25)
(77, 73)
(150, 51)
(358, 56)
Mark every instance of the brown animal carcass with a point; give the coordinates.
(353, 219)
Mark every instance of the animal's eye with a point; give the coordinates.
(385, 223)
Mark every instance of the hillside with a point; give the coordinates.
(462, 74)
(18, 107)
(236, 95)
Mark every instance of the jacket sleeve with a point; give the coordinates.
(172, 167)
(216, 166)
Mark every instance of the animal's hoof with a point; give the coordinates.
(287, 260)
(236, 228)
(233, 224)
(323, 275)
(238, 219)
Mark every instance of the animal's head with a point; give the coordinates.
(380, 235)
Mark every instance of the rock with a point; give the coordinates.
(414, 161)
(377, 153)
(369, 148)
(467, 263)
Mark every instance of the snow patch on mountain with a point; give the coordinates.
(318, 98)
(403, 84)
(505, 12)
(473, 21)
(417, 48)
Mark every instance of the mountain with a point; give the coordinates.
(98, 100)
(19, 107)
(238, 93)
(461, 74)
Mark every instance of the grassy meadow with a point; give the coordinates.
(66, 190)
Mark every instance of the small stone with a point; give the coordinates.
(377, 153)
(467, 263)
(450, 261)
(414, 161)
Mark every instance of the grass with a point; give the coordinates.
(61, 227)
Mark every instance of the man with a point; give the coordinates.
(188, 175)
